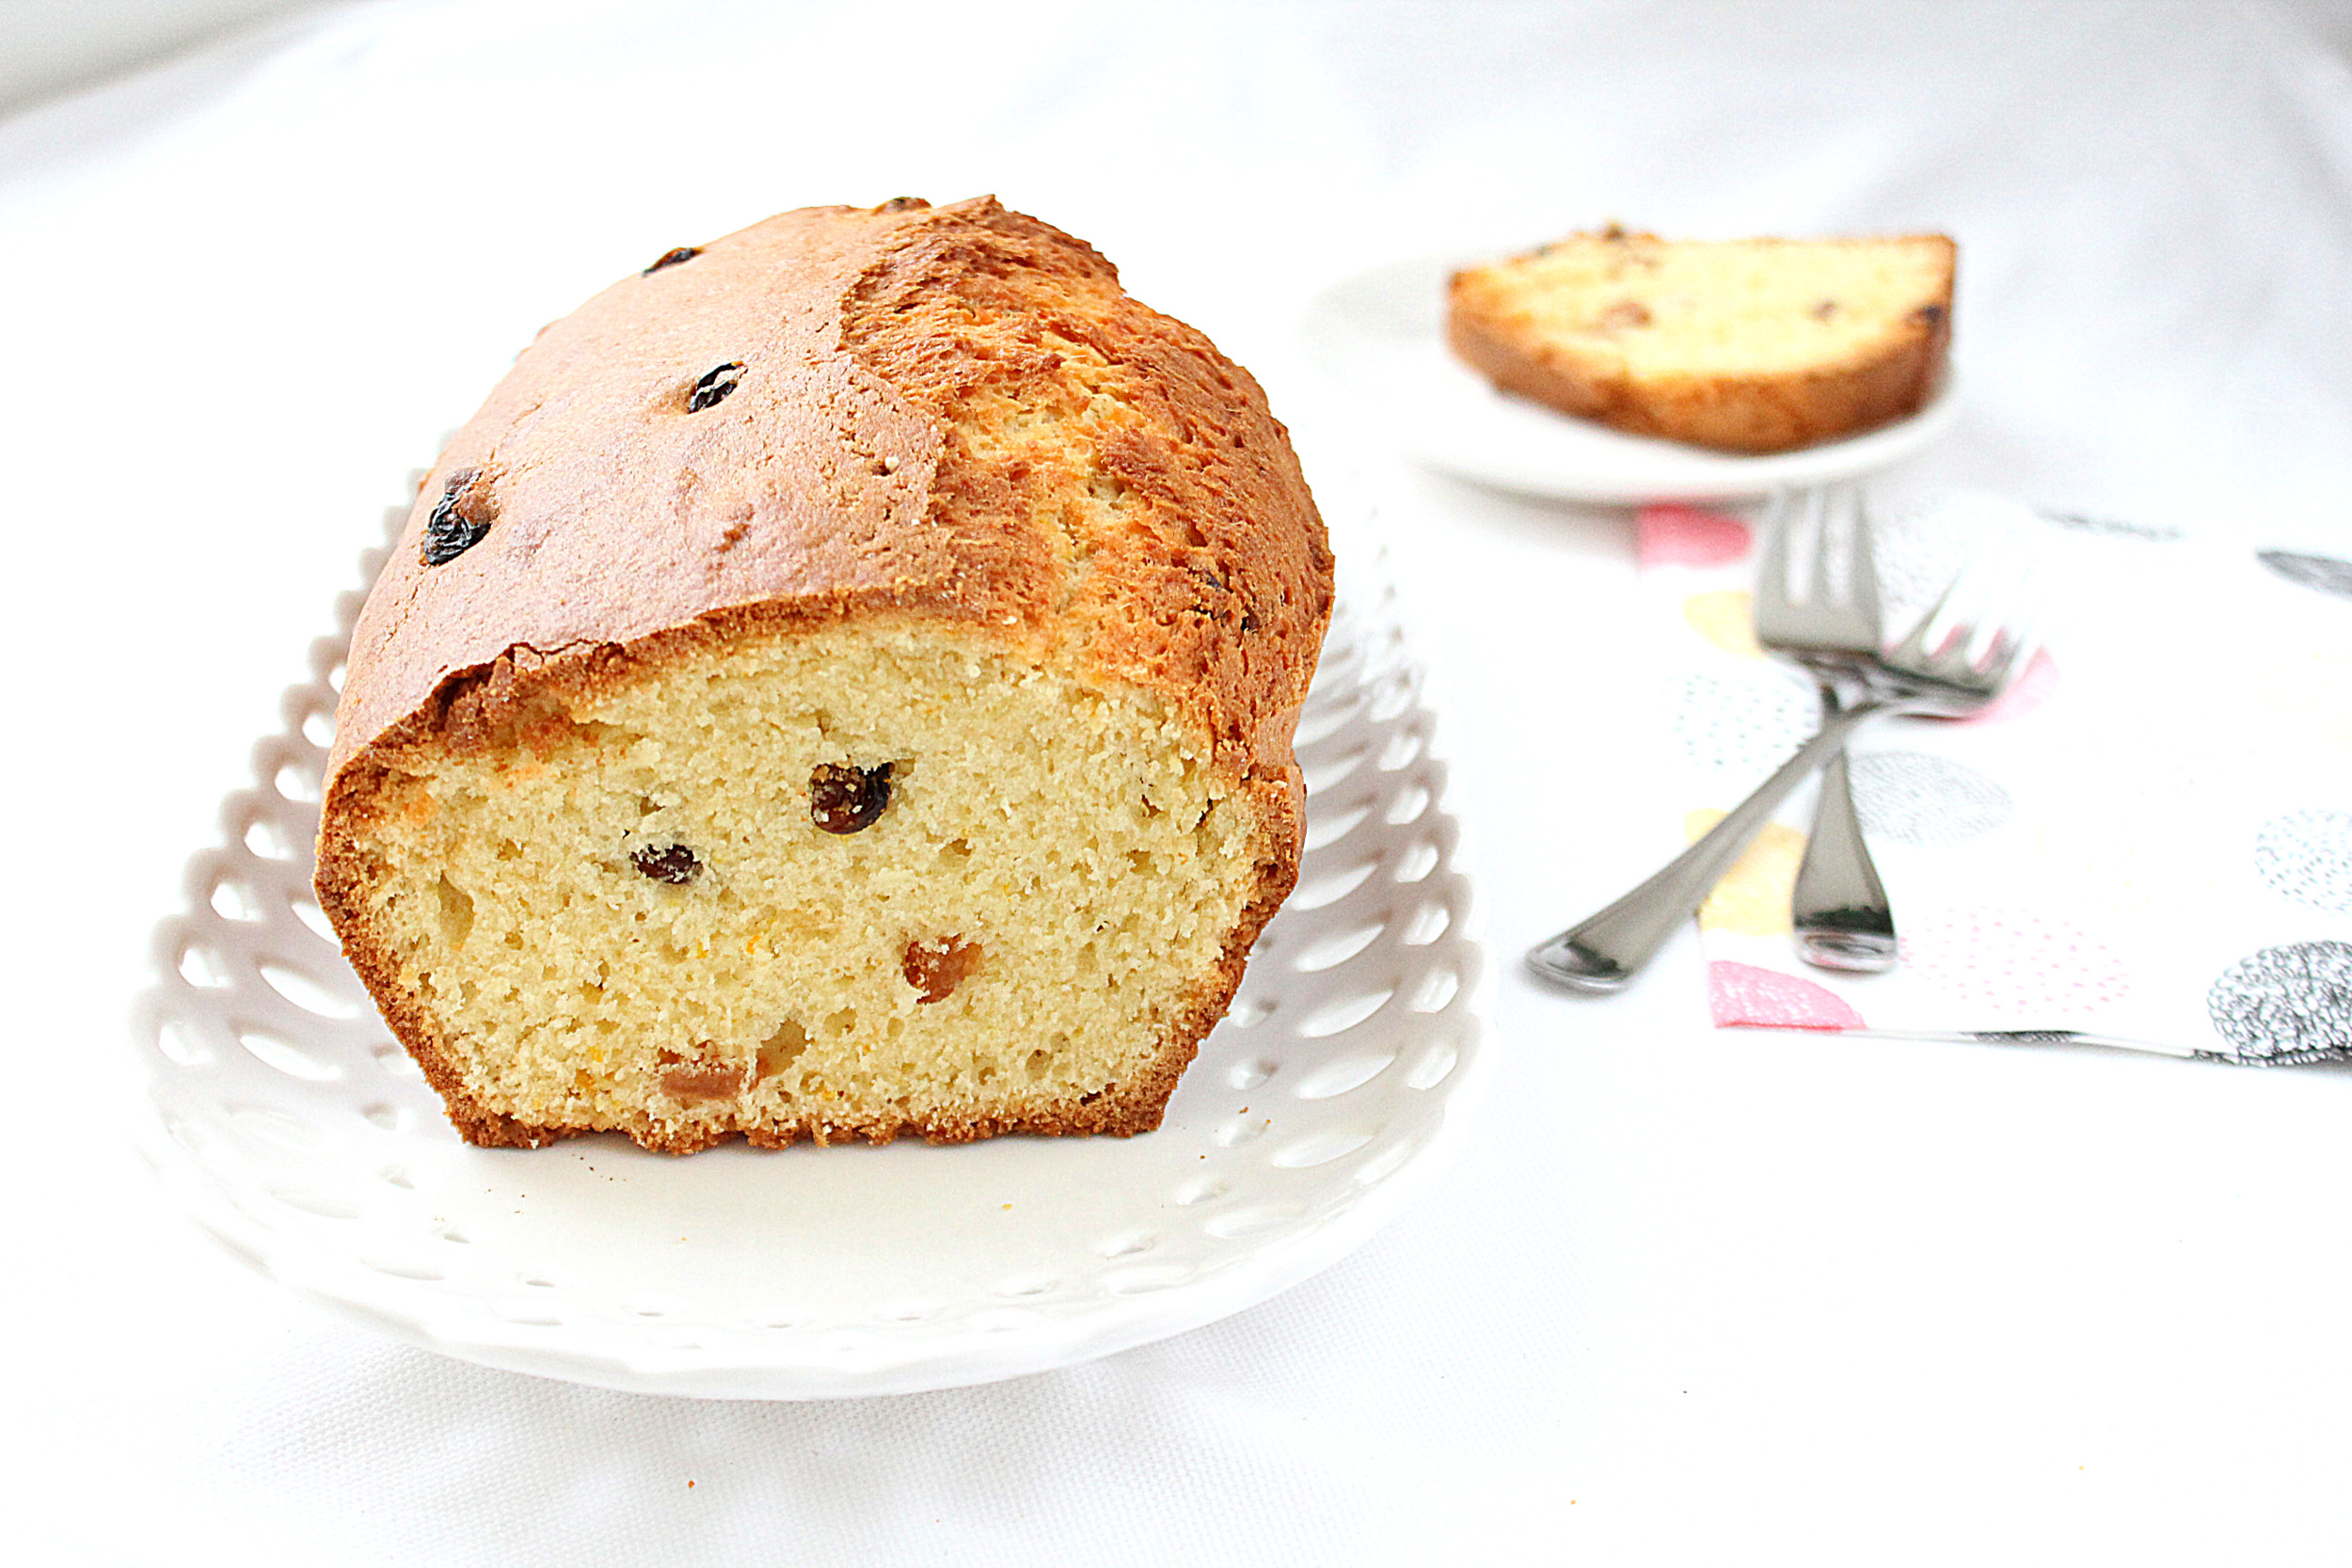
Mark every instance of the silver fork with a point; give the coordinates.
(1840, 913)
(1960, 657)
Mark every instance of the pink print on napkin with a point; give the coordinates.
(2036, 684)
(1766, 998)
(1672, 535)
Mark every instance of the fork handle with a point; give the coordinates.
(1839, 910)
(1604, 953)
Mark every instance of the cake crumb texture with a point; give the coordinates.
(1744, 345)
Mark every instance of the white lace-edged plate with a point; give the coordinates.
(286, 1119)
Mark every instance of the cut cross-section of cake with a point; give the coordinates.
(841, 685)
(1744, 345)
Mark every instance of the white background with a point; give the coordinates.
(1689, 1296)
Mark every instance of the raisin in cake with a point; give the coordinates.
(840, 685)
(1744, 345)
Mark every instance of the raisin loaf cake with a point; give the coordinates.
(1744, 345)
(840, 685)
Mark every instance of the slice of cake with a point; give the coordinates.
(1744, 345)
(840, 685)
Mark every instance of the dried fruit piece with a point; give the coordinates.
(937, 966)
(903, 204)
(674, 864)
(672, 258)
(457, 523)
(713, 387)
(701, 1077)
(847, 800)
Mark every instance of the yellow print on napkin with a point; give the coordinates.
(1752, 897)
(1721, 617)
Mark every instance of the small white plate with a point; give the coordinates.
(295, 1129)
(1381, 336)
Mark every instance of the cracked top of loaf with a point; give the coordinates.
(944, 411)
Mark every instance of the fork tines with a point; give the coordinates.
(1962, 642)
(1829, 533)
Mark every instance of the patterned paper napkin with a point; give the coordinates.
(2147, 843)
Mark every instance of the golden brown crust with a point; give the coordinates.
(838, 479)
(826, 483)
(1761, 413)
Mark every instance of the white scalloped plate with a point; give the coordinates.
(1380, 335)
(295, 1129)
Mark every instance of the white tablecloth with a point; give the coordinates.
(1687, 1296)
